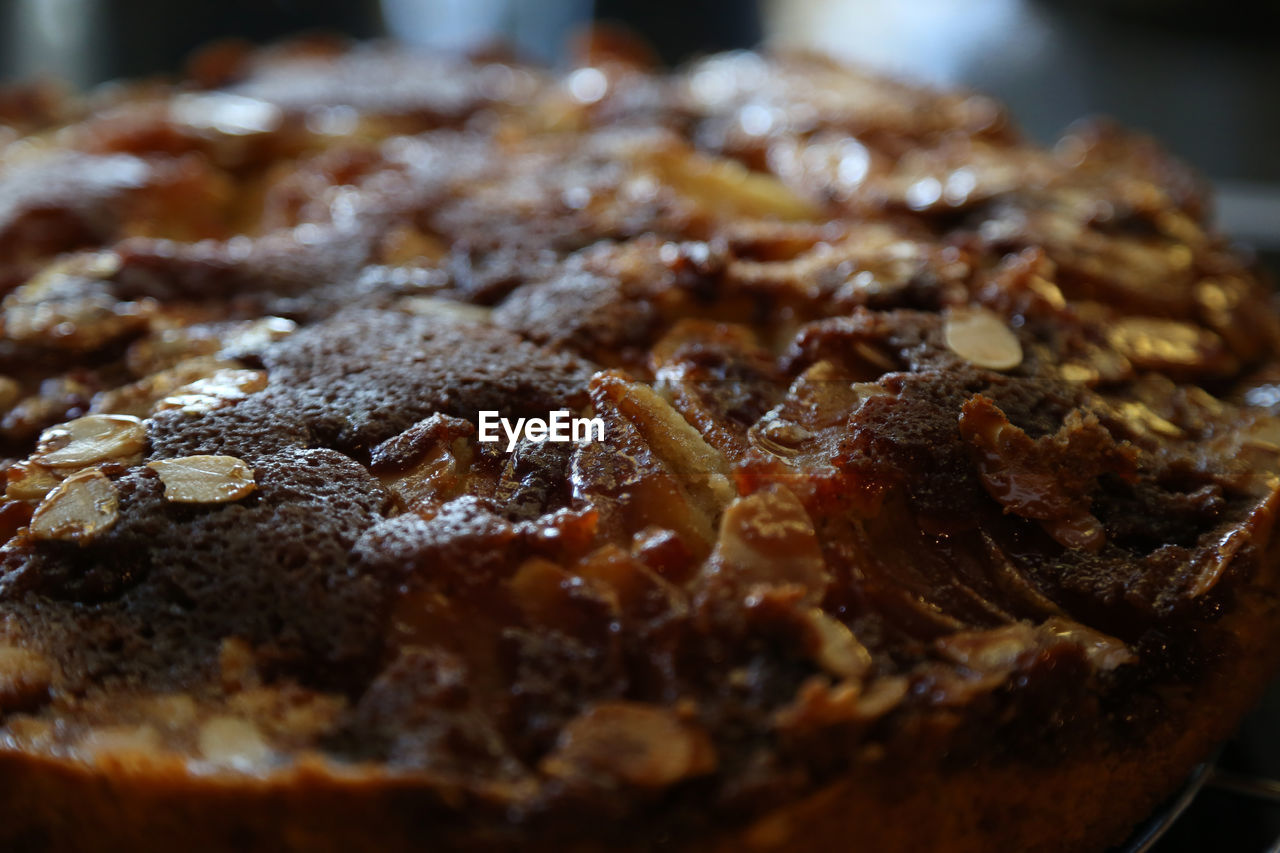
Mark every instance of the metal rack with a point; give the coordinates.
(1146, 836)
(1246, 785)
(1231, 803)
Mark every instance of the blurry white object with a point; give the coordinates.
(50, 37)
(535, 29)
(935, 41)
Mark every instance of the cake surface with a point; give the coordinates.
(930, 506)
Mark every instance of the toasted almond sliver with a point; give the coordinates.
(81, 507)
(447, 309)
(981, 338)
(204, 479)
(120, 742)
(233, 742)
(1074, 372)
(10, 393)
(25, 677)
(256, 334)
(839, 651)
(641, 745)
(91, 439)
(214, 391)
(1157, 341)
(30, 481)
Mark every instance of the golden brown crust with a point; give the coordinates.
(1083, 802)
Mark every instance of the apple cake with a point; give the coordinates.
(929, 508)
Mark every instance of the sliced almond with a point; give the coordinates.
(631, 743)
(90, 440)
(25, 677)
(214, 391)
(81, 507)
(30, 481)
(725, 187)
(139, 398)
(981, 338)
(1074, 372)
(446, 309)
(204, 479)
(990, 649)
(10, 393)
(1103, 650)
(253, 335)
(233, 742)
(65, 306)
(839, 651)
(776, 435)
(1154, 338)
(173, 711)
(1156, 343)
(116, 743)
(1143, 419)
(655, 468)
(768, 538)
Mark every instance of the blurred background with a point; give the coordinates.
(1201, 75)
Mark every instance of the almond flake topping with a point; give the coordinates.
(204, 479)
(232, 742)
(90, 440)
(81, 507)
(981, 338)
(214, 391)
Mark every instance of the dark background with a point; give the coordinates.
(1202, 75)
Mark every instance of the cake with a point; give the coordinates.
(419, 452)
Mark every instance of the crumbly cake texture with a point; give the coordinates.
(933, 510)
